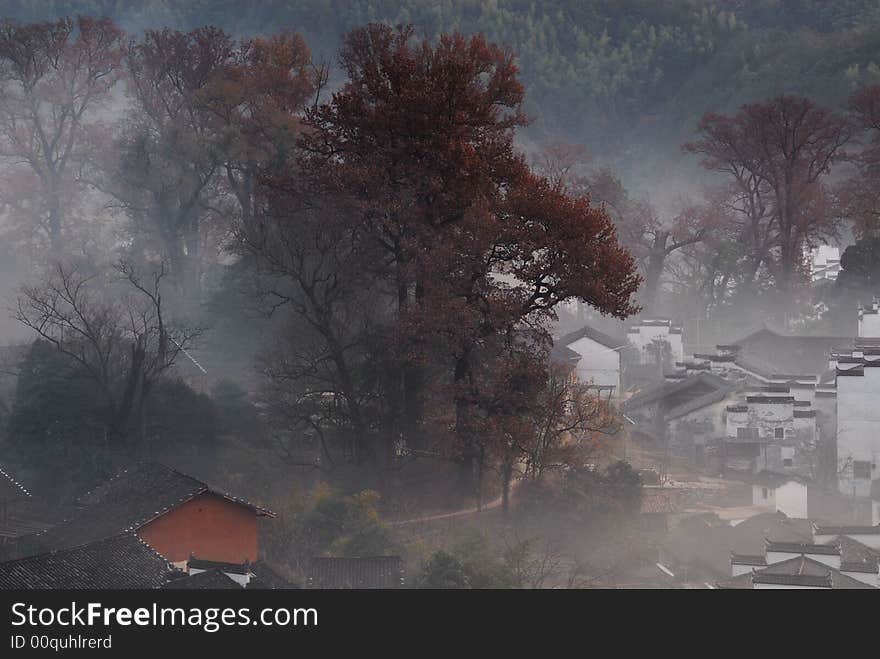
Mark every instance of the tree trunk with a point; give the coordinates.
(506, 480)
(654, 272)
(470, 477)
(55, 222)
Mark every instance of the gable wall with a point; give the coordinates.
(209, 526)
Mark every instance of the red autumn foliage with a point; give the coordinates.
(475, 250)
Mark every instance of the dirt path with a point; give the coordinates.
(495, 503)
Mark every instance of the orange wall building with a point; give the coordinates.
(209, 526)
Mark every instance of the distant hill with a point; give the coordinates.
(628, 78)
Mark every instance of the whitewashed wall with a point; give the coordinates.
(858, 428)
(599, 364)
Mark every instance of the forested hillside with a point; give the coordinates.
(611, 74)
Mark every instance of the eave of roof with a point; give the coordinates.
(591, 333)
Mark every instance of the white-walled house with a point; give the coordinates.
(837, 563)
(824, 263)
(689, 413)
(646, 335)
(781, 493)
(771, 430)
(858, 424)
(599, 362)
(869, 321)
(865, 534)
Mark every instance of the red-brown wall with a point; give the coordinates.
(209, 526)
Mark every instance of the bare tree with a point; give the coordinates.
(53, 76)
(570, 422)
(123, 341)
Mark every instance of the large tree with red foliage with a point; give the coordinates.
(653, 240)
(777, 155)
(860, 194)
(469, 249)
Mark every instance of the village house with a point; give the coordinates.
(699, 548)
(207, 575)
(176, 514)
(858, 420)
(869, 320)
(656, 340)
(824, 263)
(764, 354)
(782, 493)
(598, 361)
(867, 534)
(771, 430)
(835, 562)
(688, 413)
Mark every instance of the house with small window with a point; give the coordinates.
(688, 413)
(769, 429)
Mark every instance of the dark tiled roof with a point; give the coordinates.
(855, 566)
(747, 559)
(356, 572)
(770, 352)
(770, 400)
(718, 389)
(708, 547)
(791, 378)
(804, 571)
(562, 354)
(594, 334)
(11, 489)
(742, 582)
(129, 500)
(653, 322)
(261, 576)
(13, 526)
(264, 577)
(234, 568)
(209, 580)
(804, 548)
(121, 562)
(774, 479)
(697, 404)
(847, 530)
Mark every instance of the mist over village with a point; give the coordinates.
(439, 295)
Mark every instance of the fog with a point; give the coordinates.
(513, 300)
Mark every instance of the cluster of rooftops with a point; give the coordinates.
(839, 562)
(98, 545)
(109, 541)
